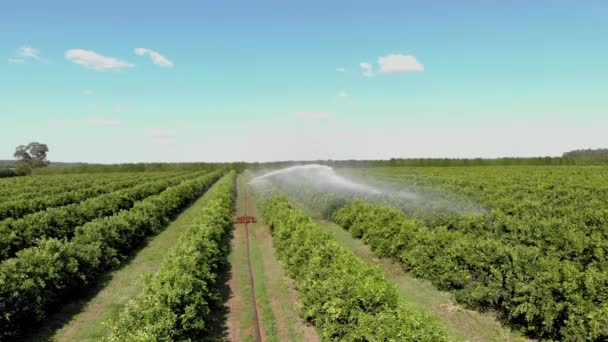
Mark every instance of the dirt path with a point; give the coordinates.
(466, 324)
(83, 319)
(243, 317)
(275, 296)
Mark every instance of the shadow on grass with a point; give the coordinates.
(218, 330)
(66, 309)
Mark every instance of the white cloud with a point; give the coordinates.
(314, 115)
(162, 133)
(367, 69)
(156, 57)
(340, 70)
(24, 52)
(93, 60)
(396, 63)
(93, 121)
(162, 136)
(29, 52)
(343, 94)
(64, 123)
(164, 141)
(87, 92)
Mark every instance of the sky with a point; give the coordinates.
(180, 81)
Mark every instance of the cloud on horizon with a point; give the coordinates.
(314, 115)
(161, 133)
(94, 121)
(91, 121)
(163, 136)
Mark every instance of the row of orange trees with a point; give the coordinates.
(16, 207)
(43, 276)
(178, 301)
(536, 251)
(61, 222)
(538, 254)
(546, 296)
(344, 297)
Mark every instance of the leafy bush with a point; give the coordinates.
(42, 276)
(176, 302)
(60, 222)
(19, 207)
(546, 296)
(5, 173)
(345, 298)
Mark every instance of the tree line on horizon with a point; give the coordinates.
(33, 156)
(598, 152)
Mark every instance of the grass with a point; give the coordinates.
(462, 323)
(280, 296)
(261, 292)
(265, 315)
(239, 266)
(84, 321)
(240, 309)
(276, 298)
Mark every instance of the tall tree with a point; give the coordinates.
(32, 154)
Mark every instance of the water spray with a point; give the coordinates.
(323, 179)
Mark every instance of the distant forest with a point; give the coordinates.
(599, 152)
(574, 157)
(12, 164)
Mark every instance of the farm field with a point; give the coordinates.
(336, 171)
(484, 253)
(537, 254)
(77, 243)
(85, 319)
(464, 324)
(528, 243)
(275, 295)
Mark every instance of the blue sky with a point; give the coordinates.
(278, 80)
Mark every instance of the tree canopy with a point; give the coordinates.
(31, 156)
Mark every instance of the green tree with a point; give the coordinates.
(32, 155)
(23, 168)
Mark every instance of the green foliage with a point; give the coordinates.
(177, 302)
(600, 152)
(138, 167)
(32, 155)
(42, 186)
(23, 168)
(344, 297)
(18, 207)
(535, 252)
(42, 276)
(583, 157)
(60, 222)
(547, 296)
(6, 173)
